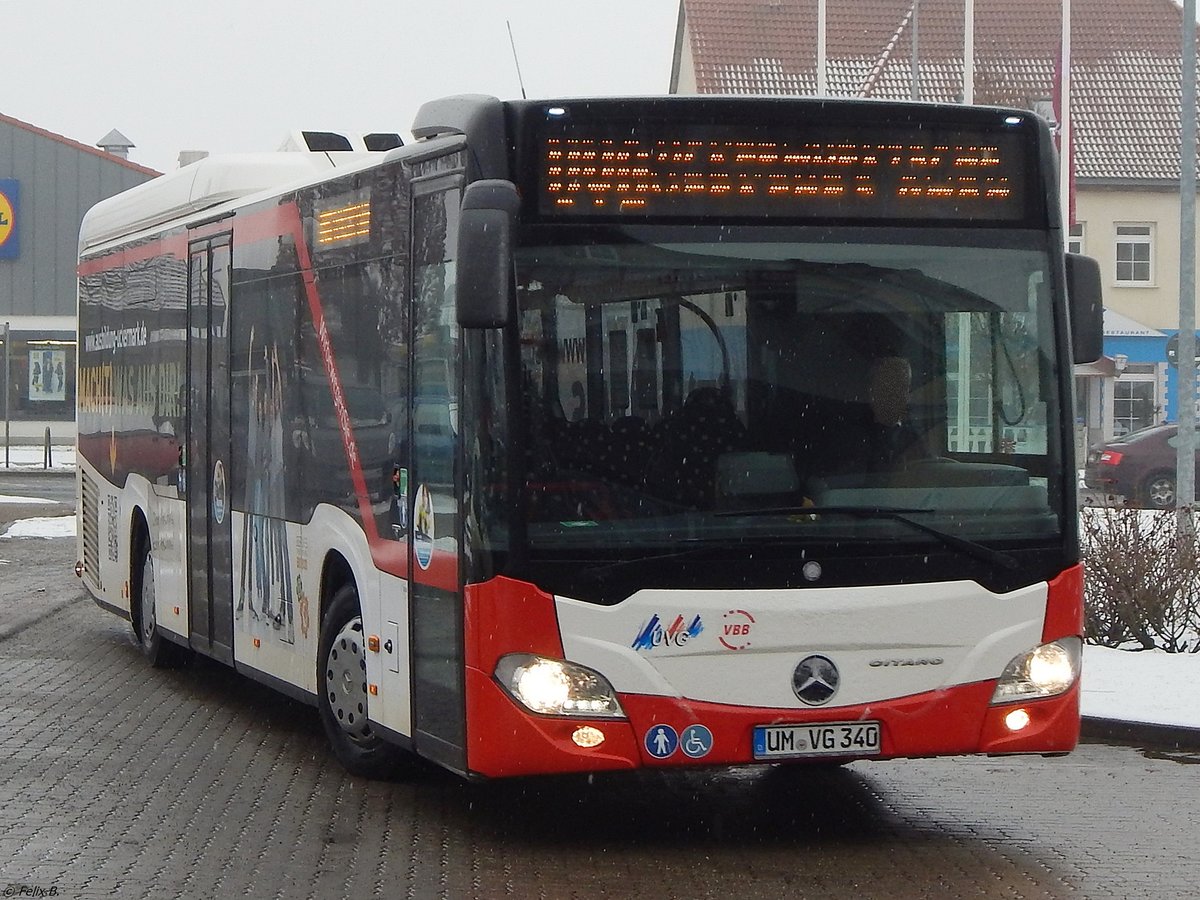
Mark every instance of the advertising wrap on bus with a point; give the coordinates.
(670, 435)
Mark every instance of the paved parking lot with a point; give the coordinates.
(120, 780)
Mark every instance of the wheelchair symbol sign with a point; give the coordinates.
(696, 741)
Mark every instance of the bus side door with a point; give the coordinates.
(207, 448)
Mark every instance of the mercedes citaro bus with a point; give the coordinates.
(553, 440)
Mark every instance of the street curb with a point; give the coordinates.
(34, 471)
(1148, 734)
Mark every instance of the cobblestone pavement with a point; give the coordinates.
(120, 780)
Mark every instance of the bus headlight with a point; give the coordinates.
(553, 687)
(1045, 671)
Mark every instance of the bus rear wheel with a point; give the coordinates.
(161, 652)
(342, 692)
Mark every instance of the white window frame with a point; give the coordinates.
(1128, 269)
(1077, 238)
(1143, 374)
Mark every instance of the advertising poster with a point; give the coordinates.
(10, 195)
(47, 375)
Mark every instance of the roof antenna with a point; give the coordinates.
(520, 81)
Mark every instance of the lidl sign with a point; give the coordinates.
(10, 210)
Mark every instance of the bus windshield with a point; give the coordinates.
(764, 385)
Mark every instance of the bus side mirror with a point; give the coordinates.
(1087, 308)
(484, 268)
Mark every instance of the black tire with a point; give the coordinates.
(342, 692)
(1158, 491)
(161, 652)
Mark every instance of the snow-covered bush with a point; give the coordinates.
(1141, 583)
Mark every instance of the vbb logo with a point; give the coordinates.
(735, 632)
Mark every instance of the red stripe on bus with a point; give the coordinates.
(168, 245)
(1064, 606)
(442, 571)
(291, 215)
(248, 228)
(266, 224)
(391, 557)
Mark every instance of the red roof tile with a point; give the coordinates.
(1125, 63)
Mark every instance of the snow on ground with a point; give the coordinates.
(62, 458)
(45, 527)
(1147, 686)
(26, 501)
(1143, 686)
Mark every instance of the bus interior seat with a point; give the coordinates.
(623, 457)
(682, 463)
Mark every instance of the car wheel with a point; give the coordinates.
(162, 653)
(342, 692)
(1158, 491)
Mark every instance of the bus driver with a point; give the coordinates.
(890, 440)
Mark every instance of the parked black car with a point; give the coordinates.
(1139, 466)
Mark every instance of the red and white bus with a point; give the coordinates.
(604, 434)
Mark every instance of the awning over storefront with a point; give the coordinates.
(1118, 325)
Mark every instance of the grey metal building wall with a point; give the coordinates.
(59, 181)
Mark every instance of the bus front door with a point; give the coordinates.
(207, 449)
(436, 600)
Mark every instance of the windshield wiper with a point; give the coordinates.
(606, 569)
(698, 547)
(897, 514)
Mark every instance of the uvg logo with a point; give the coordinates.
(654, 635)
(735, 633)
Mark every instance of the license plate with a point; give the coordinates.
(821, 739)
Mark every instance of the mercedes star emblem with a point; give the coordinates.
(815, 680)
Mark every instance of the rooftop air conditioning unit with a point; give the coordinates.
(332, 142)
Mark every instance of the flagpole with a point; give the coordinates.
(1064, 123)
(1185, 490)
(915, 88)
(969, 53)
(822, 87)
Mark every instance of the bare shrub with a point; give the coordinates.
(1141, 585)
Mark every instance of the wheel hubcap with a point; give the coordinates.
(148, 623)
(1162, 493)
(346, 681)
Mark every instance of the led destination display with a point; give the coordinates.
(902, 173)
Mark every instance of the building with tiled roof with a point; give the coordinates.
(1124, 63)
(1124, 114)
(47, 183)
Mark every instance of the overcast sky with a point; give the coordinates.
(239, 75)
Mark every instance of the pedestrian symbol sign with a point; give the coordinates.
(661, 741)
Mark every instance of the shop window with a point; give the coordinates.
(1134, 402)
(40, 378)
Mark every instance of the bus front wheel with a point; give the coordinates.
(162, 653)
(342, 691)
